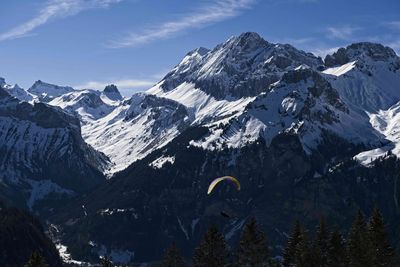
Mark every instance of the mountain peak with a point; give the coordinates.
(2, 81)
(200, 50)
(47, 91)
(360, 51)
(246, 41)
(112, 92)
(242, 66)
(250, 36)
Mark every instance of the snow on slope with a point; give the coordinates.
(243, 66)
(136, 128)
(40, 189)
(90, 105)
(371, 81)
(34, 140)
(202, 107)
(16, 91)
(303, 103)
(236, 90)
(386, 122)
(340, 70)
(46, 91)
(159, 162)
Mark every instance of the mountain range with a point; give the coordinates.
(306, 137)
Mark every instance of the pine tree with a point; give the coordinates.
(382, 252)
(253, 249)
(212, 251)
(359, 248)
(336, 252)
(173, 258)
(106, 262)
(289, 255)
(320, 245)
(36, 260)
(303, 256)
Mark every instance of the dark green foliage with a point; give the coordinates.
(173, 258)
(212, 251)
(336, 252)
(20, 235)
(303, 256)
(253, 249)
(289, 255)
(359, 247)
(106, 262)
(382, 252)
(36, 261)
(320, 245)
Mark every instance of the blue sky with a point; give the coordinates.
(133, 43)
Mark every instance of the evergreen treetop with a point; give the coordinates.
(212, 251)
(173, 258)
(36, 260)
(253, 249)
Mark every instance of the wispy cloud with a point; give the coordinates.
(393, 25)
(54, 9)
(121, 84)
(210, 14)
(343, 33)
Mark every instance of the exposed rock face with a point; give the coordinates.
(376, 52)
(371, 83)
(41, 148)
(111, 91)
(47, 92)
(242, 66)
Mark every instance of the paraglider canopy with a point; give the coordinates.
(220, 179)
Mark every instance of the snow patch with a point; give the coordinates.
(183, 228)
(40, 189)
(236, 226)
(338, 71)
(159, 163)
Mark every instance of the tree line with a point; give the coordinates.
(366, 245)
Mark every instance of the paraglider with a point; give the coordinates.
(220, 179)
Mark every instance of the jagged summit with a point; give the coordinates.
(201, 51)
(46, 91)
(112, 92)
(360, 51)
(247, 41)
(16, 91)
(243, 66)
(2, 81)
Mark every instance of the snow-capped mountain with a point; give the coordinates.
(243, 66)
(284, 121)
(225, 87)
(46, 91)
(124, 129)
(43, 153)
(16, 91)
(296, 97)
(111, 92)
(367, 75)
(89, 105)
(137, 127)
(301, 103)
